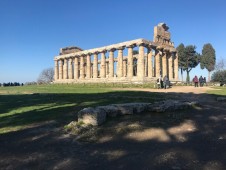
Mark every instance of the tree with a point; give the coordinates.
(208, 58)
(46, 76)
(220, 65)
(219, 76)
(180, 53)
(188, 58)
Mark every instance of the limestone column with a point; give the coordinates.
(164, 64)
(61, 69)
(130, 62)
(111, 63)
(88, 66)
(103, 65)
(150, 65)
(70, 69)
(82, 68)
(56, 73)
(157, 63)
(140, 62)
(107, 69)
(176, 67)
(145, 66)
(76, 68)
(120, 62)
(95, 65)
(124, 68)
(65, 68)
(91, 70)
(171, 67)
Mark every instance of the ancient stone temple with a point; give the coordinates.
(137, 60)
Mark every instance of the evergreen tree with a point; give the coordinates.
(188, 58)
(208, 58)
(181, 58)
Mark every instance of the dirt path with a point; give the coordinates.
(176, 89)
(189, 139)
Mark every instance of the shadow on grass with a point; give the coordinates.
(21, 110)
(188, 139)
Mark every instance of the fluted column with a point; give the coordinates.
(88, 66)
(107, 69)
(130, 62)
(157, 63)
(111, 63)
(103, 65)
(164, 64)
(95, 65)
(70, 69)
(176, 67)
(56, 73)
(171, 67)
(65, 68)
(61, 69)
(82, 68)
(75, 68)
(120, 62)
(124, 68)
(150, 65)
(140, 62)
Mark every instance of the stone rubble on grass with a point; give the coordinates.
(97, 116)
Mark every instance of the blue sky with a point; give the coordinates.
(33, 31)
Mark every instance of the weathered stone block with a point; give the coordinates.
(124, 109)
(92, 116)
(111, 111)
(138, 107)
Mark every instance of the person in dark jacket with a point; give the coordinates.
(165, 81)
(200, 81)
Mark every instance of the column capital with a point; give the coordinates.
(103, 51)
(112, 49)
(131, 46)
(121, 48)
(159, 48)
(172, 50)
(96, 52)
(89, 54)
(150, 47)
(141, 44)
(83, 55)
(166, 50)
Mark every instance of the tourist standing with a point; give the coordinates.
(165, 81)
(200, 81)
(196, 81)
(204, 81)
(159, 82)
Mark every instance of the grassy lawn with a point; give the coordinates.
(221, 91)
(21, 107)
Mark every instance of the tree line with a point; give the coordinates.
(11, 84)
(189, 58)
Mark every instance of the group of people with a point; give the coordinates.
(199, 81)
(163, 83)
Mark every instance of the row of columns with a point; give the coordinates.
(81, 67)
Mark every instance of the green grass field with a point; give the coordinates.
(21, 107)
(221, 91)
